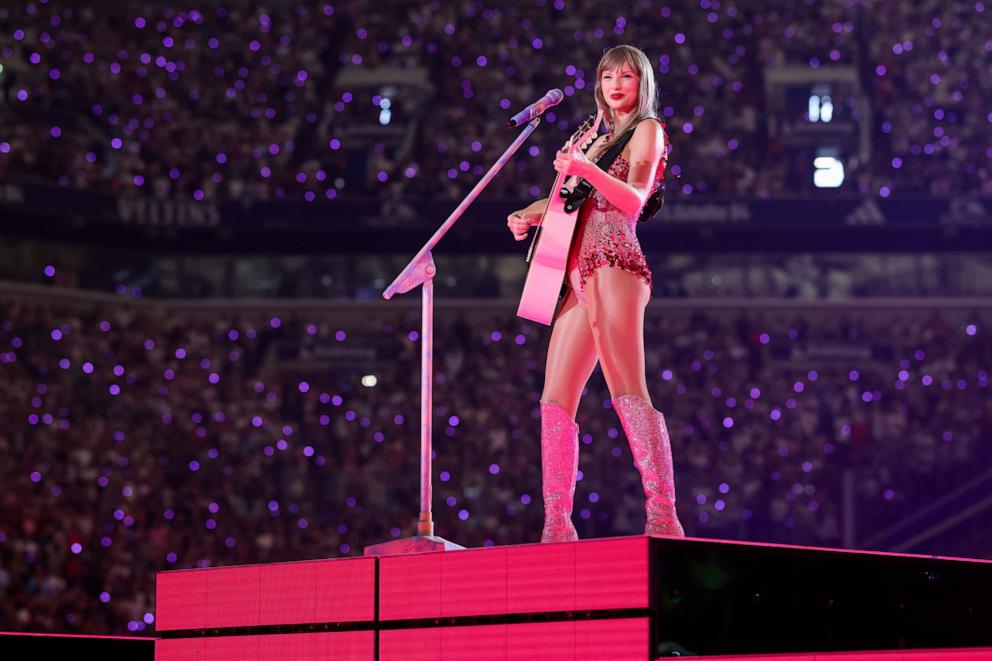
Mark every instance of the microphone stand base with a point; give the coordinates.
(416, 544)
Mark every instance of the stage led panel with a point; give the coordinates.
(180, 600)
(316, 591)
(338, 646)
(532, 578)
(613, 640)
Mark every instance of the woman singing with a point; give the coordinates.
(602, 316)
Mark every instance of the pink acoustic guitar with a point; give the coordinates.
(548, 253)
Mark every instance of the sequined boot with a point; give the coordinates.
(559, 464)
(649, 443)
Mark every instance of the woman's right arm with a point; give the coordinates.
(521, 221)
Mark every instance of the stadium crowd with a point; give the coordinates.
(141, 436)
(248, 100)
(141, 439)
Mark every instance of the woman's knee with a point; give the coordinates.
(568, 402)
(632, 388)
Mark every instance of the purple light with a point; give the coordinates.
(463, 514)
(76, 548)
(493, 469)
(87, 368)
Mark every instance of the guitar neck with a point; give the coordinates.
(552, 196)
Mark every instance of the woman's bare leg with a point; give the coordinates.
(616, 300)
(571, 356)
(571, 359)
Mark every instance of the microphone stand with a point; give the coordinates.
(421, 271)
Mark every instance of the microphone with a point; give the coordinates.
(536, 109)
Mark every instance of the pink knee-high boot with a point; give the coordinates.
(649, 443)
(559, 464)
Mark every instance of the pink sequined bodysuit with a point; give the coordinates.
(604, 236)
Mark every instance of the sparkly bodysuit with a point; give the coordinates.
(604, 236)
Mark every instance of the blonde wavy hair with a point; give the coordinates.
(647, 94)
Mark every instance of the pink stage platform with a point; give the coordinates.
(592, 599)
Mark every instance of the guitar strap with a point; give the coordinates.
(575, 197)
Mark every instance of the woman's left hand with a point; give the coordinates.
(572, 164)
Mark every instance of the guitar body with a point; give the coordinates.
(549, 254)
